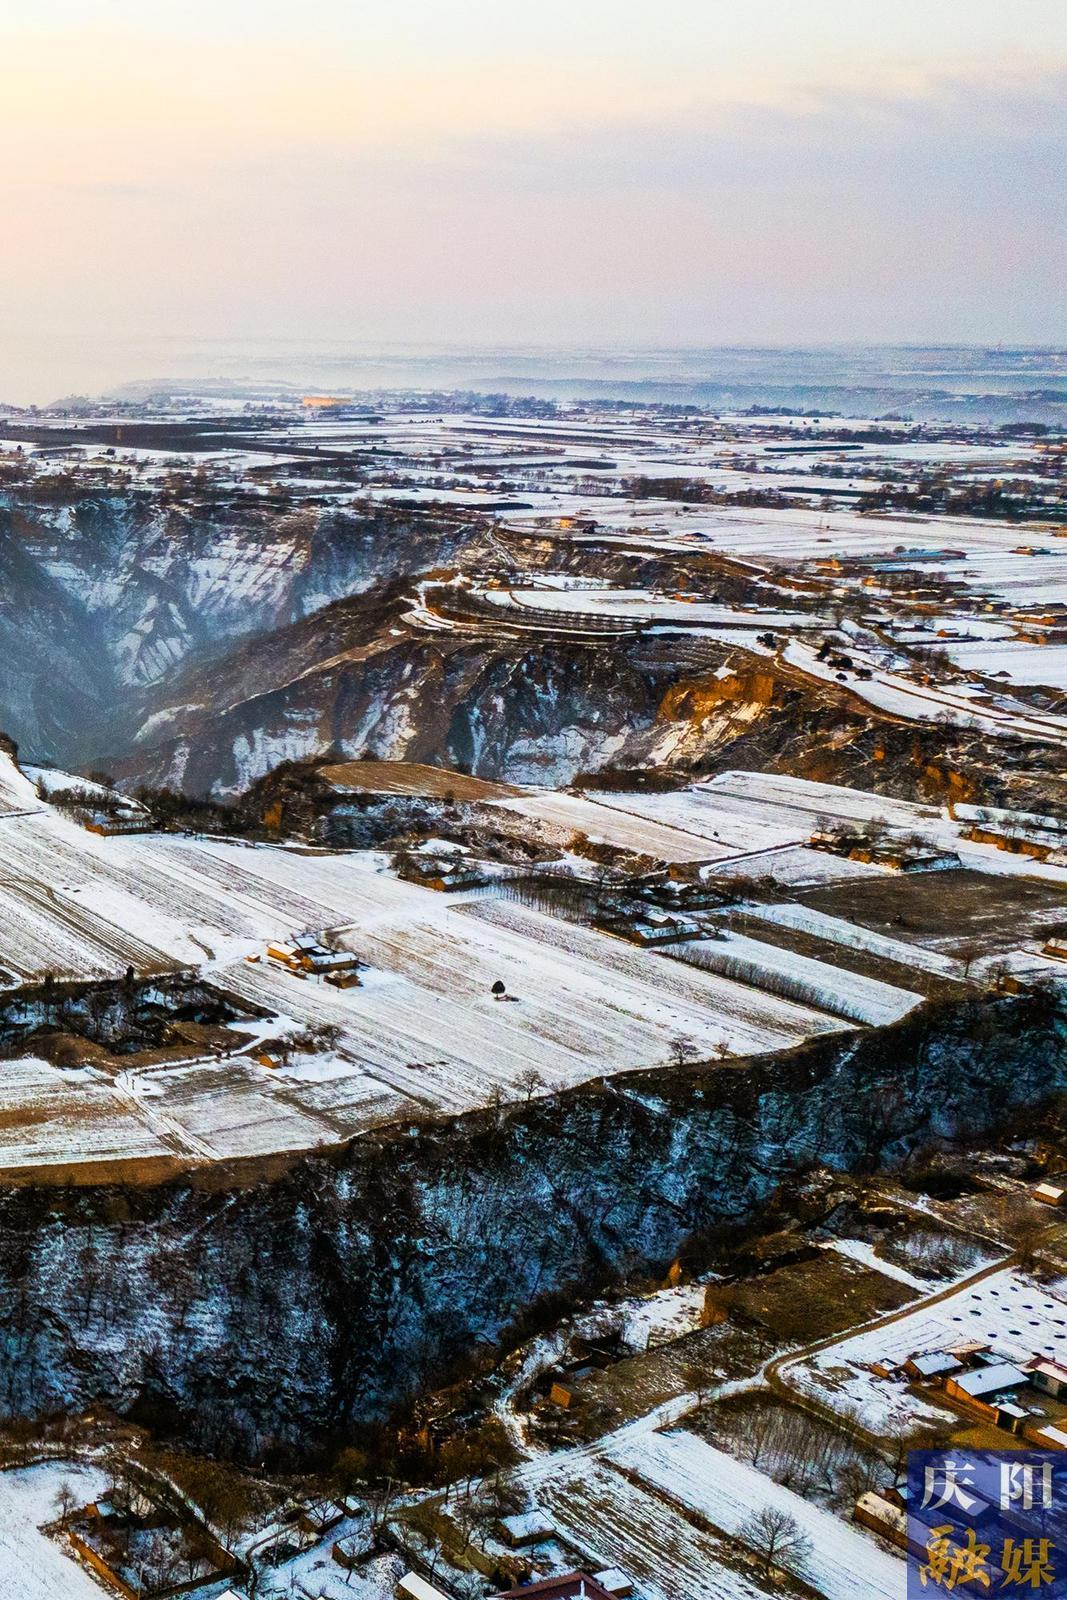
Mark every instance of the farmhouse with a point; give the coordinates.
(412, 1587)
(569, 1586)
(897, 854)
(934, 1364)
(324, 963)
(1049, 1376)
(445, 873)
(650, 926)
(876, 1512)
(986, 1389)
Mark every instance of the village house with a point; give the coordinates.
(898, 854)
(108, 825)
(651, 926)
(568, 1586)
(932, 1365)
(878, 1513)
(446, 873)
(987, 1390)
(1048, 1376)
(306, 956)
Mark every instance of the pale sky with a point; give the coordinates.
(527, 171)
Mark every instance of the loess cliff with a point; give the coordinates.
(263, 1318)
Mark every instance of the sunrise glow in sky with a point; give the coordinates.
(602, 171)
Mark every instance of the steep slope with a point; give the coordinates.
(362, 678)
(105, 594)
(356, 679)
(263, 1319)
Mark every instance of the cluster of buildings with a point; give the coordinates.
(307, 956)
(1029, 1399)
(897, 852)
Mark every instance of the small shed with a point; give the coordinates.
(874, 1511)
(1010, 1417)
(615, 1581)
(933, 1364)
(412, 1587)
(526, 1527)
(1049, 1194)
(986, 1388)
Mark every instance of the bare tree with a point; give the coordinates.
(774, 1537)
(682, 1051)
(529, 1082)
(64, 1502)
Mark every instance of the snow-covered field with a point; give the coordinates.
(837, 931)
(844, 994)
(1022, 661)
(778, 796)
(642, 605)
(615, 1522)
(713, 814)
(422, 1032)
(1015, 1316)
(605, 821)
(33, 1566)
(843, 1561)
(907, 698)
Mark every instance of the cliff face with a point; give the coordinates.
(107, 594)
(276, 1313)
(353, 680)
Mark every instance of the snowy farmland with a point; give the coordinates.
(857, 997)
(606, 820)
(423, 1031)
(843, 1561)
(616, 1522)
(32, 1565)
(1005, 1310)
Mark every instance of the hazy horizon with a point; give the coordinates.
(473, 175)
(279, 366)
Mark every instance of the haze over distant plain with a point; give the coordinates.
(537, 173)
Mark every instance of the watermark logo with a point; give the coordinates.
(985, 1522)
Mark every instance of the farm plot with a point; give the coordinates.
(950, 911)
(653, 994)
(729, 1492)
(232, 1109)
(796, 865)
(799, 977)
(614, 1522)
(1016, 1317)
(610, 824)
(786, 797)
(835, 930)
(92, 906)
(642, 605)
(701, 811)
(52, 1117)
(1023, 662)
(18, 793)
(903, 697)
(33, 1566)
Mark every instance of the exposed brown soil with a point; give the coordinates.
(412, 778)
